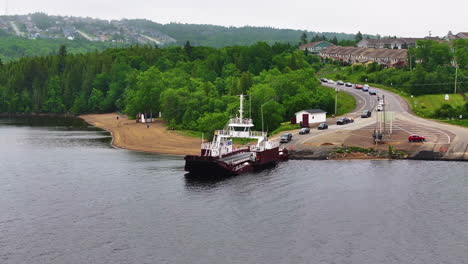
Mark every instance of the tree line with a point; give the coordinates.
(193, 87)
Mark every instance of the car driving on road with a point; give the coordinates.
(324, 80)
(358, 86)
(366, 114)
(372, 92)
(322, 126)
(344, 121)
(340, 82)
(304, 130)
(348, 84)
(285, 138)
(416, 138)
(331, 81)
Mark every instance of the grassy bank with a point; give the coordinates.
(346, 102)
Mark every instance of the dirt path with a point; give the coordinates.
(128, 134)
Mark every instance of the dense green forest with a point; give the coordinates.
(194, 87)
(12, 47)
(219, 36)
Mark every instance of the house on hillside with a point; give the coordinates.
(307, 117)
(351, 55)
(315, 47)
(461, 35)
(391, 43)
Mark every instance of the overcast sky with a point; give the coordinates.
(392, 17)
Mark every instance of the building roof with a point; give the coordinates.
(399, 54)
(463, 35)
(313, 44)
(313, 111)
(389, 41)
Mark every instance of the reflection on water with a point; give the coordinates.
(68, 197)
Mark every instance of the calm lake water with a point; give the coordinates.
(67, 196)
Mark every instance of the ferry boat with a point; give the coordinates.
(219, 158)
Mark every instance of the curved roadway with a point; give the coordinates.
(451, 141)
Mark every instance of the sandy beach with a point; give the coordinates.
(128, 134)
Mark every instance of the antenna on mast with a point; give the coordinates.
(6, 7)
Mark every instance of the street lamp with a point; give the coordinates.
(261, 110)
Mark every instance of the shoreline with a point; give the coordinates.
(127, 134)
(157, 139)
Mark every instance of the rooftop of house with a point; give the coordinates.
(366, 52)
(313, 111)
(397, 40)
(313, 44)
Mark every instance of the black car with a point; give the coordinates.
(344, 121)
(285, 138)
(304, 130)
(322, 126)
(340, 82)
(372, 92)
(324, 80)
(341, 121)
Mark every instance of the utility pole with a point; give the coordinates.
(456, 77)
(336, 99)
(261, 110)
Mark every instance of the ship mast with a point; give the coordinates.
(241, 110)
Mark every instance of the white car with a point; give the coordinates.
(366, 86)
(331, 81)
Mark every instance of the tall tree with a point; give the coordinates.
(358, 36)
(304, 38)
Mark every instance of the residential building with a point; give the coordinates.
(315, 47)
(461, 35)
(391, 43)
(350, 55)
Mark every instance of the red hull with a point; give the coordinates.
(210, 167)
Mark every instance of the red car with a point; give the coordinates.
(358, 86)
(416, 138)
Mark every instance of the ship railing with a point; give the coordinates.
(222, 133)
(244, 121)
(257, 134)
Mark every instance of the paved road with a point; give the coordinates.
(451, 141)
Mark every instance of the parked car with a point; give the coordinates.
(344, 121)
(366, 114)
(324, 80)
(340, 82)
(372, 92)
(348, 84)
(416, 138)
(322, 126)
(331, 81)
(379, 108)
(304, 130)
(358, 86)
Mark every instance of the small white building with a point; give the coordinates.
(313, 116)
